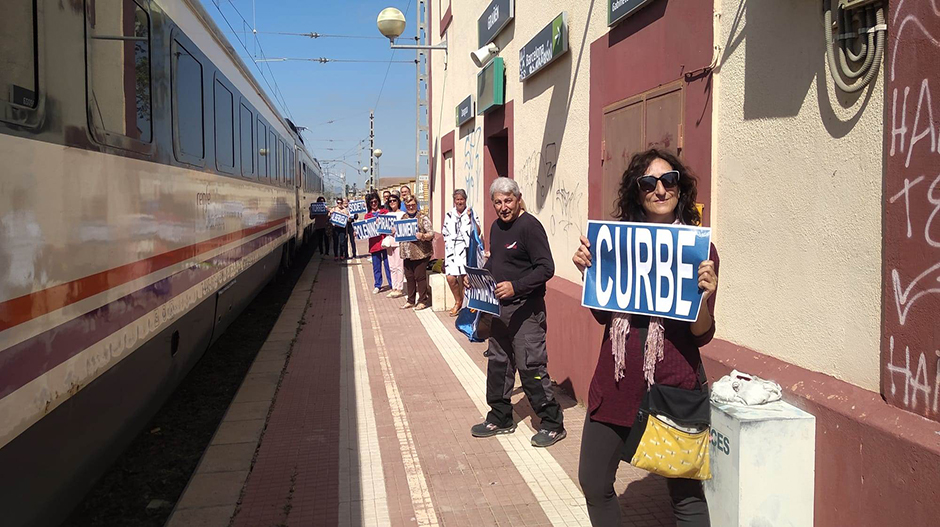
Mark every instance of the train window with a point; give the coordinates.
(18, 53)
(247, 139)
(187, 106)
(272, 155)
(224, 128)
(262, 146)
(119, 69)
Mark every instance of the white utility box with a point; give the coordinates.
(763, 466)
(442, 298)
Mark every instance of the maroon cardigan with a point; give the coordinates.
(616, 402)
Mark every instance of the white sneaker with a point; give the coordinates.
(375, 290)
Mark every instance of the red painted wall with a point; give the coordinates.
(910, 376)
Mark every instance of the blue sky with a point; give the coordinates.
(339, 92)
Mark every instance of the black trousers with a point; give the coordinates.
(351, 236)
(601, 447)
(321, 242)
(416, 281)
(340, 249)
(517, 342)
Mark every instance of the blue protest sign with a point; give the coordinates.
(645, 268)
(365, 229)
(339, 219)
(357, 206)
(482, 293)
(318, 208)
(406, 230)
(384, 223)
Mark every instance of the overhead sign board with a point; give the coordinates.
(495, 17)
(550, 43)
(617, 10)
(491, 86)
(465, 110)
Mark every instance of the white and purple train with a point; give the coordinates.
(148, 190)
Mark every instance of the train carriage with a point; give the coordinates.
(149, 190)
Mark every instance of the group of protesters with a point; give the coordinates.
(636, 352)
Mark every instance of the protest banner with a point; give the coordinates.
(406, 230)
(365, 229)
(318, 208)
(339, 219)
(357, 206)
(645, 268)
(482, 292)
(384, 223)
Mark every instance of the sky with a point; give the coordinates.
(333, 100)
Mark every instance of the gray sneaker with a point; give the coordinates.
(487, 429)
(546, 438)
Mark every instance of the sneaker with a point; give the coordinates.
(487, 429)
(547, 438)
(375, 290)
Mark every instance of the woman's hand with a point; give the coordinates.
(707, 279)
(582, 257)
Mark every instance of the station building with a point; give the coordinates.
(823, 203)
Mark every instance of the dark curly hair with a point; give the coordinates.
(373, 196)
(628, 205)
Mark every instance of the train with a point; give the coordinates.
(150, 189)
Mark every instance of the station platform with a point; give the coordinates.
(357, 412)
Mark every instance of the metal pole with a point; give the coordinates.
(372, 143)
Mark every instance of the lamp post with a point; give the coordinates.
(391, 23)
(375, 175)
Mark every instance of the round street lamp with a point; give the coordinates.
(391, 23)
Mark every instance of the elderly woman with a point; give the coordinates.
(459, 224)
(340, 249)
(656, 188)
(394, 250)
(416, 256)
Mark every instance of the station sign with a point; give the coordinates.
(491, 86)
(465, 111)
(617, 10)
(550, 43)
(495, 17)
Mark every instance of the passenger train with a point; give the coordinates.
(149, 190)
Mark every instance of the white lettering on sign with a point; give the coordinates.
(481, 289)
(464, 112)
(493, 17)
(539, 57)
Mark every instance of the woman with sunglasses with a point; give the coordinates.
(379, 254)
(417, 254)
(394, 251)
(656, 188)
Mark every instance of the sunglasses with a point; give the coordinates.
(669, 180)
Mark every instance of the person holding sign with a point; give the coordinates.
(350, 235)
(641, 350)
(521, 263)
(320, 222)
(340, 249)
(395, 262)
(416, 255)
(459, 224)
(379, 254)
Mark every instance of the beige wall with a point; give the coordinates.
(797, 198)
(550, 115)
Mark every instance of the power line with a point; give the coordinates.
(314, 34)
(324, 60)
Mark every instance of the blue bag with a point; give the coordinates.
(468, 320)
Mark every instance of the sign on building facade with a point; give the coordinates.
(494, 19)
(617, 10)
(550, 43)
(465, 111)
(491, 86)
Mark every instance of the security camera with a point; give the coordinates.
(485, 54)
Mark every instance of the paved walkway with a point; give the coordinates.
(358, 413)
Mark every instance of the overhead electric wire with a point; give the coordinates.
(324, 60)
(314, 34)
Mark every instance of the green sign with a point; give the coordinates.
(548, 45)
(465, 111)
(491, 86)
(617, 10)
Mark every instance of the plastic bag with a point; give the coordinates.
(746, 389)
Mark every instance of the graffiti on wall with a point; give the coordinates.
(537, 176)
(911, 274)
(473, 166)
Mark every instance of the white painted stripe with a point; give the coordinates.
(369, 506)
(417, 485)
(31, 402)
(556, 492)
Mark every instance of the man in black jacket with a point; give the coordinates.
(521, 263)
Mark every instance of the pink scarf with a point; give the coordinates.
(655, 342)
